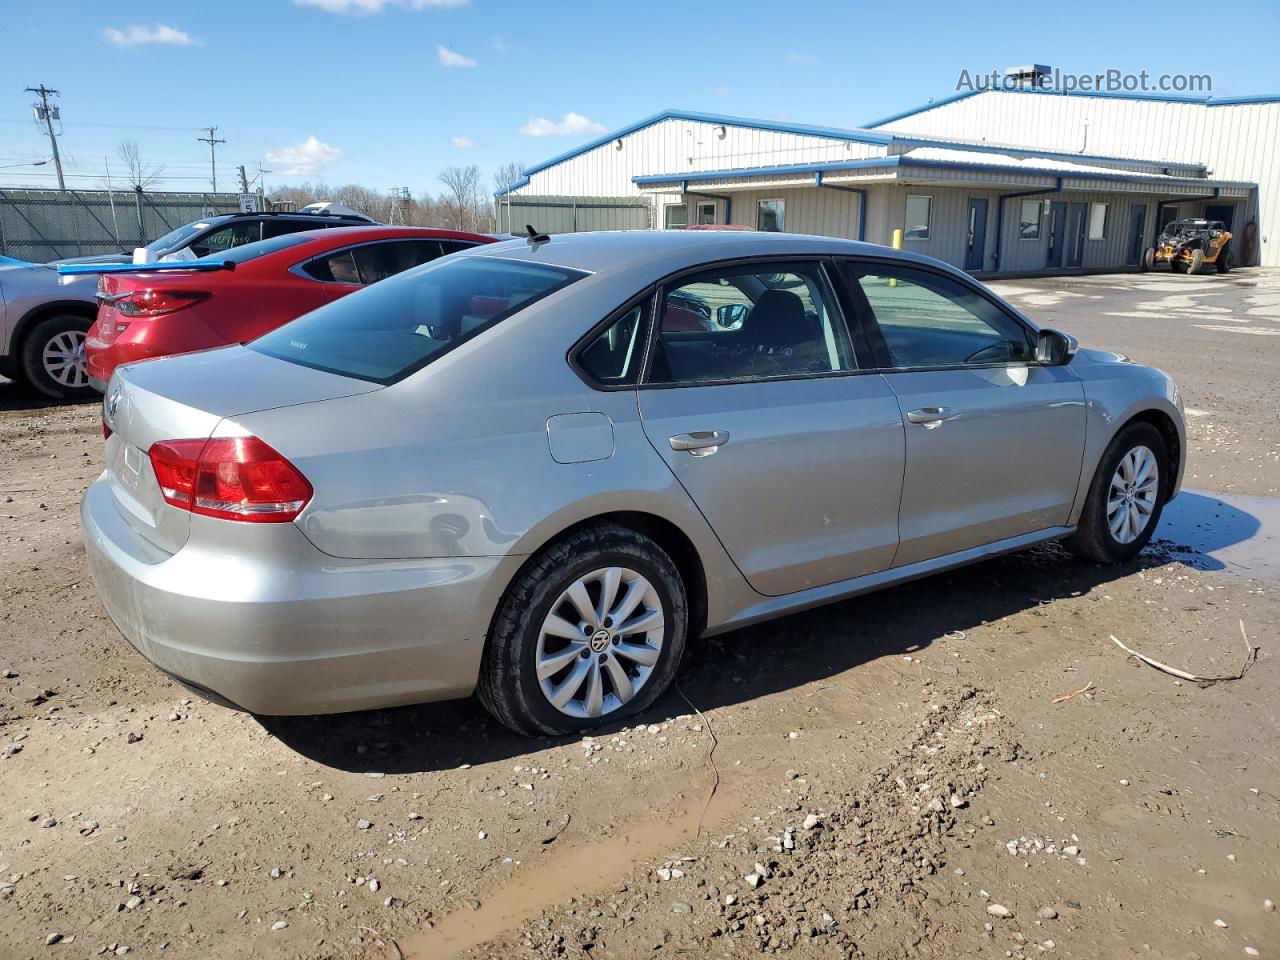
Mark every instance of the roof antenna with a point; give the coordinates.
(535, 239)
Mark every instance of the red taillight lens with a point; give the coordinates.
(106, 431)
(153, 303)
(235, 478)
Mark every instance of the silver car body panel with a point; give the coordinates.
(28, 289)
(431, 493)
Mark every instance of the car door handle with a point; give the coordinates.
(700, 443)
(930, 416)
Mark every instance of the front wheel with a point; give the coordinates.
(53, 360)
(1148, 259)
(1126, 497)
(592, 630)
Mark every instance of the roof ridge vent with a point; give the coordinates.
(1032, 75)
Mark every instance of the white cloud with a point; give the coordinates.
(140, 36)
(302, 159)
(573, 124)
(802, 59)
(462, 143)
(451, 58)
(360, 8)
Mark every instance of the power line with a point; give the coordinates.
(46, 113)
(213, 163)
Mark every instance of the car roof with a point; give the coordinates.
(357, 233)
(594, 251)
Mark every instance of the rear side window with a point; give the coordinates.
(259, 248)
(395, 328)
(377, 261)
(613, 357)
(338, 267)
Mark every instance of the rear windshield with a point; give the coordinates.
(259, 248)
(397, 326)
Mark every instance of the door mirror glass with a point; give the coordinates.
(730, 315)
(1055, 348)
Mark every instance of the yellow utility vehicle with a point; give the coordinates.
(1188, 245)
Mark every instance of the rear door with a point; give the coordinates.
(994, 441)
(755, 399)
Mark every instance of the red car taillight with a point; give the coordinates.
(234, 478)
(153, 303)
(106, 431)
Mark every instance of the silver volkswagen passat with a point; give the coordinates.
(536, 469)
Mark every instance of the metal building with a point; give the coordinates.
(993, 182)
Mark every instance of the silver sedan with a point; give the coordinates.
(43, 320)
(538, 469)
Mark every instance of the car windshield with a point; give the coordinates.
(177, 238)
(396, 327)
(259, 248)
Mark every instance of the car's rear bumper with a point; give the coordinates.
(290, 630)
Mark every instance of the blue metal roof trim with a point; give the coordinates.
(831, 133)
(1055, 154)
(766, 171)
(903, 161)
(1155, 97)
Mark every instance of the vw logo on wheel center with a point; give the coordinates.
(600, 640)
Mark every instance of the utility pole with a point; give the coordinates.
(48, 114)
(244, 179)
(213, 163)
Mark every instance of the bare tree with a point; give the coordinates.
(461, 197)
(504, 179)
(141, 175)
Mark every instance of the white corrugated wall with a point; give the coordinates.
(1237, 141)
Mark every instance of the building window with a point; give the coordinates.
(918, 212)
(1097, 221)
(1029, 225)
(706, 212)
(770, 215)
(675, 216)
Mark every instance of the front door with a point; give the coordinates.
(976, 249)
(994, 441)
(752, 400)
(1137, 233)
(1057, 233)
(1077, 213)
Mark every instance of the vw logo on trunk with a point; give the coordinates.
(112, 402)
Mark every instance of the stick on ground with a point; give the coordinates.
(1251, 655)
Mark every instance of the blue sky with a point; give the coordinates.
(390, 92)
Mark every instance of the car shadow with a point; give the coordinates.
(17, 397)
(1210, 531)
(735, 667)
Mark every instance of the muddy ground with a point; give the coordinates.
(884, 777)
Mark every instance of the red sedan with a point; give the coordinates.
(147, 315)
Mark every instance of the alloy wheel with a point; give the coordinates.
(64, 361)
(599, 643)
(1135, 489)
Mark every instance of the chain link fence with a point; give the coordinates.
(43, 225)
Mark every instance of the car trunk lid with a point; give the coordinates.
(186, 397)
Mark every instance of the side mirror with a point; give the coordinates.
(1055, 348)
(731, 315)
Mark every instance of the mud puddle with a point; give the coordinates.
(578, 868)
(1227, 532)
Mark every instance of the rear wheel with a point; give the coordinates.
(1148, 258)
(1126, 497)
(592, 630)
(1224, 260)
(53, 360)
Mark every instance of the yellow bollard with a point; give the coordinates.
(896, 243)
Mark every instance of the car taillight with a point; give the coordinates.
(153, 303)
(106, 431)
(234, 478)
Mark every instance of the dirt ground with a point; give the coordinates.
(885, 777)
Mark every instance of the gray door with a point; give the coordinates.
(1137, 233)
(976, 246)
(796, 463)
(993, 441)
(1057, 233)
(1077, 213)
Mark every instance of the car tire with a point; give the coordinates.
(1148, 259)
(1224, 260)
(1197, 261)
(1096, 537)
(47, 357)
(519, 641)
